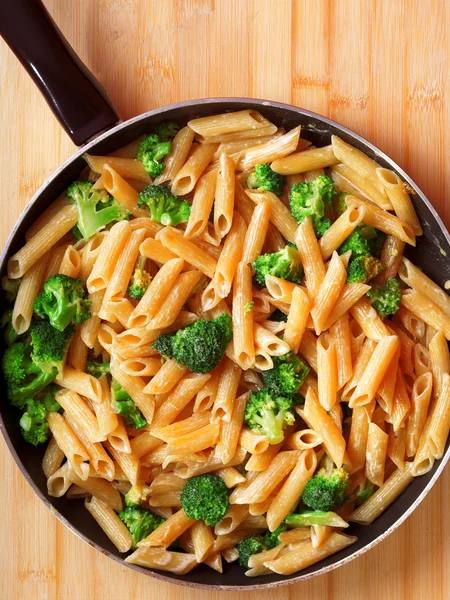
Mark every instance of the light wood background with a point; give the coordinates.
(381, 67)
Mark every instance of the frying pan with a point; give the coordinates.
(84, 111)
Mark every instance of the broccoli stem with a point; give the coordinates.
(315, 517)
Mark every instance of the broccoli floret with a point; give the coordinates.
(96, 208)
(363, 268)
(249, 546)
(24, 378)
(340, 203)
(123, 404)
(264, 179)
(140, 280)
(163, 344)
(269, 414)
(278, 316)
(34, 423)
(287, 376)
(166, 130)
(284, 264)
(205, 498)
(49, 346)
(386, 300)
(151, 153)
(9, 334)
(270, 538)
(35, 429)
(375, 239)
(97, 369)
(312, 199)
(200, 346)
(10, 287)
(140, 522)
(365, 243)
(136, 495)
(63, 301)
(258, 543)
(326, 491)
(164, 207)
(320, 226)
(355, 242)
(365, 493)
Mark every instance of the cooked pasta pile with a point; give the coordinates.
(218, 335)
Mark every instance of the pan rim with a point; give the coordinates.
(5, 252)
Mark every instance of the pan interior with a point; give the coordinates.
(430, 254)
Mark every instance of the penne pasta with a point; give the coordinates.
(307, 160)
(316, 417)
(243, 336)
(224, 197)
(35, 248)
(310, 256)
(199, 157)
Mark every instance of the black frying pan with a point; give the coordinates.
(83, 109)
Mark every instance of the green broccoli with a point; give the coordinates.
(270, 538)
(313, 199)
(365, 493)
(166, 130)
(315, 517)
(23, 377)
(355, 242)
(97, 369)
(287, 375)
(33, 422)
(163, 344)
(10, 287)
(123, 405)
(363, 268)
(340, 203)
(200, 346)
(284, 264)
(48, 398)
(136, 495)
(49, 346)
(249, 546)
(326, 491)
(96, 209)
(269, 414)
(249, 307)
(320, 226)
(63, 301)
(255, 544)
(364, 240)
(140, 279)
(9, 334)
(140, 522)
(164, 207)
(375, 239)
(278, 316)
(205, 498)
(151, 153)
(386, 299)
(264, 179)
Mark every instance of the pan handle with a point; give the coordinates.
(75, 96)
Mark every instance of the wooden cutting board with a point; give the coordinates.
(378, 66)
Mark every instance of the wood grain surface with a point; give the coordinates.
(380, 67)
